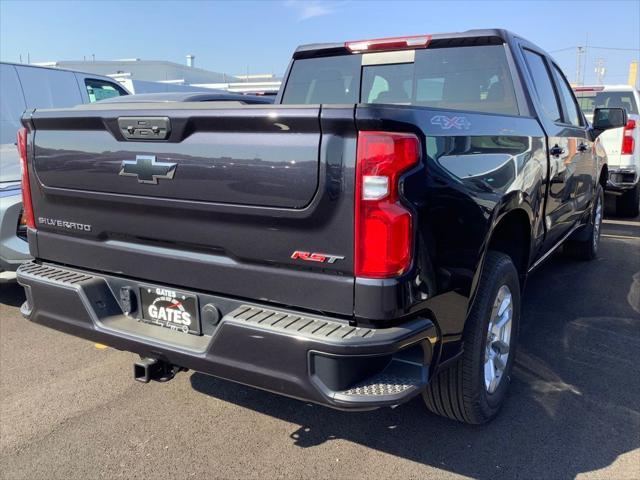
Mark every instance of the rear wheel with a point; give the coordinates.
(628, 204)
(585, 245)
(473, 389)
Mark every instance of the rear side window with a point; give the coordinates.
(569, 103)
(463, 78)
(543, 85)
(100, 89)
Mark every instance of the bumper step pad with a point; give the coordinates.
(398, 380)
(382, 384)
(53, 274)
(306, 326)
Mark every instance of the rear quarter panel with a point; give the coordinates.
(472, 175)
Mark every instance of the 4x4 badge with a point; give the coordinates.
(147, 169)
(446, 123)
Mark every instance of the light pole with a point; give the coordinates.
(579, 53)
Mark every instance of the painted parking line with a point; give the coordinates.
(630, 223)
(620, 237)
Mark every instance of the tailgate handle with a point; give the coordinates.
(145, 128)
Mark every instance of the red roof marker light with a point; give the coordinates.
(391, 43)
(588, 89)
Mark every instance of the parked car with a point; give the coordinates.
(210, 96)
(27, 87)
(619, 143)
(364, 240)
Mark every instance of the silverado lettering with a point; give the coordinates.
(64, 224)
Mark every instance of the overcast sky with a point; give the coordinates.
(259, 36)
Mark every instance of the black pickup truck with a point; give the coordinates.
(364, 240)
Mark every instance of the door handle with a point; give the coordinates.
(584, 147)
(556, 151)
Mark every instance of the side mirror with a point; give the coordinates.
(608, 118)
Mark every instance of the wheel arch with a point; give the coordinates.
(510, 233)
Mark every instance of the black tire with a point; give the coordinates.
(628, 204)
(459, 391)
(585, 243)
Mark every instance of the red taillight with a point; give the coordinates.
(628, 143)
(384, 230)
(27, 205)
(392, 43)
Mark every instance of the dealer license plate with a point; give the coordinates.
(170, 309)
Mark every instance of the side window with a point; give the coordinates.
(543, 85)
(100, 89)
(568, 102)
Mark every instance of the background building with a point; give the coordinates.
(146, 76)
(247, 83)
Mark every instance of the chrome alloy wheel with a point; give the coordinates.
(496, 352)
(597, 222)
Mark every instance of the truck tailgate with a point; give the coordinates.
(251, 163)
(220, 205)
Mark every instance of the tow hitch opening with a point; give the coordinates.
(147, 369)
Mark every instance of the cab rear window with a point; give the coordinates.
(462, 78)
(589, 100)
(324, 80)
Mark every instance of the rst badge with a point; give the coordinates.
(316, 257)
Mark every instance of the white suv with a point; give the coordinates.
(621, 144)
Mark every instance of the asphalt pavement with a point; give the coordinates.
(70, 409)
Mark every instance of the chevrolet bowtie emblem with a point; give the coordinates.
(147, 170)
